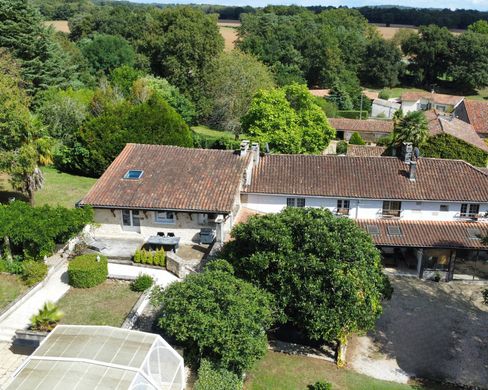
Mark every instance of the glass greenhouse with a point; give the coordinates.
(101, 357)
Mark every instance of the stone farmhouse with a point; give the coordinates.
(426, 216)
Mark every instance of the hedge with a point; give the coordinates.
(157, 257)
(446, 146)
(352, 114)
(142, 283)
(212, 378)
(86, 271)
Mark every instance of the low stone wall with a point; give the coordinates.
(178, 266)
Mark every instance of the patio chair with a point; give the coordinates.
(171, 234)
(161, 234)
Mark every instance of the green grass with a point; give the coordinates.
(106, 304)
(278, 371)
(208, 132)
(10, 288)
(481, 94)
(397, 92)
(59, 188)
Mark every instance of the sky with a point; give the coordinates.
(453, 4)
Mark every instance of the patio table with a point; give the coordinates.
(172, 242)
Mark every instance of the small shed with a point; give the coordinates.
(101, 357)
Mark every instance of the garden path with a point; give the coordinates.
(54, 287)
(123, 271)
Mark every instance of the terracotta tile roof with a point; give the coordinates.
(435, 97)
(477, 115)
(387, 103)
(174, 178)
(362, 125)
(369, 178)
(365, 150)
(428, 234)
(371, 94)
(455, 127)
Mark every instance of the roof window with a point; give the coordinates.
(133, 174)
(373, 230)
(394, 231)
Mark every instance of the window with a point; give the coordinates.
(343, 206)
(391, 208)
(133, 174)
(444, 207)
(441, 107)
(166, 217)
(295, 202)
(470, 210)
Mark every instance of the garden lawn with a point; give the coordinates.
(278, 371)
(10, 288)
(106, 304)
(211, 133)
(59, 188)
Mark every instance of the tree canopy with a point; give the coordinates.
(324, 272)
(216, 316)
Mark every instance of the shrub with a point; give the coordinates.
(384, 94)
(356, 139)
(219, 265)
(33, 272)
(12, 267)
(341, 147)
(47, 318)
(87, 271)
(352, 114)
(320, 385)
(157, 257)
(211, 377)
(142, 283)
(485, 296)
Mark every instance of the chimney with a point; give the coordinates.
(407, 149)
(412, 174)
(244, 147)
(255, 153)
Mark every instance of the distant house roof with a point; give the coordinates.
(435, 97)
(368, 177)
(386, 103)
(427, 234)
(372, 95)
(320, 92)
(365, 150)
(174, 178)
(362, 125)
(477, 112)
(439, 124)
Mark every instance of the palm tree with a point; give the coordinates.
(411, 128)
(47, 318)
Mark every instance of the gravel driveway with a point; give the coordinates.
(428, 330)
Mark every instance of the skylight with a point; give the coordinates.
(133, 174)
(394, 231)
(474, 234)
(373, 229)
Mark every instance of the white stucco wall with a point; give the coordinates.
(362, 208)
(409, 106)
(186, 225)
(378, 110)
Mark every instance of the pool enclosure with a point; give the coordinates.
(101, 357)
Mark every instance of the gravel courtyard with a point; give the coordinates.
(428, 330)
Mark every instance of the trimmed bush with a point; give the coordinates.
(356, 139)
(352, 114)
(384, 94)
(320, 385)
(85, 271)
(211, 377)
(12, 267)
(142, 283)
(157, 257)
(33, 272)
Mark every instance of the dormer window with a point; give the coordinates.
(133, 174)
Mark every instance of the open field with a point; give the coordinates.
(208, 132)
(278, 371)
(58, 25)
(106, 304)
(59, 188)
(230, 36)
(10, 288)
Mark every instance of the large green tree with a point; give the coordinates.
(102, 138)
(216, 317)
(469, 64)
(231, 84)
(429, 53)
(43, 62)
(412, 128)
(106, 52)
(324, 272)
(381, 65)
(480, 27)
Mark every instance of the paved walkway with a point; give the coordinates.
(122, 271)
(54, 288)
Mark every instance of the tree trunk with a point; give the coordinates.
(7, 251)
(341, 351)
(30, 195)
